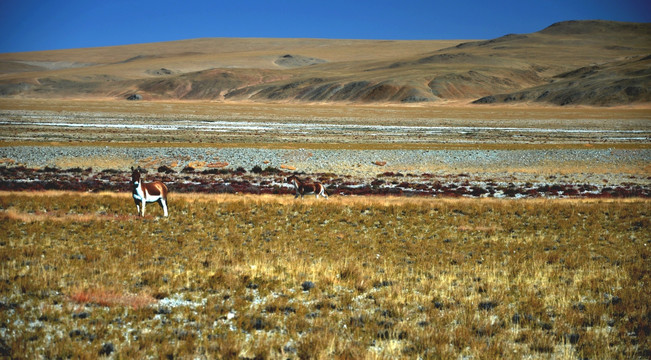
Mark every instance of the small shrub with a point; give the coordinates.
(166, 170)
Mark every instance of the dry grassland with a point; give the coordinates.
(374, 113)
(273, 277)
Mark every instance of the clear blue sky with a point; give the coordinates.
(30, 25)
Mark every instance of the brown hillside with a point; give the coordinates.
(620, 82)
(574, 62)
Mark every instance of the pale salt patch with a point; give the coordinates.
(176, 301)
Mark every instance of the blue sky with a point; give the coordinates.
(31, 25)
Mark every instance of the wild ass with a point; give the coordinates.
(144, 193)
(303, 188)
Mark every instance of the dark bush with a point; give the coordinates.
(166, 170)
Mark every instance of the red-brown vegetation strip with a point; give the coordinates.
(12, 214)
(104, 297)
(272, 181)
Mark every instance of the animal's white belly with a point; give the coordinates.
(148, 198)
(152, 198)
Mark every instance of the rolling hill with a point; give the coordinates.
(599, 63)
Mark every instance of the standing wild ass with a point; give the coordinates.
(144, 193)
(303, 188)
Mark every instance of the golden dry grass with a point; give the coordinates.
(272, 277)
(358, 112)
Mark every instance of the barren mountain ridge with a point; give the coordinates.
(600, 63)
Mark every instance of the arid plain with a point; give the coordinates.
(513, 229)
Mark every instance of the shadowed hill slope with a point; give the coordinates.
(575, 62)
(615, 83)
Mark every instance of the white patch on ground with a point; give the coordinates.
(176, 300)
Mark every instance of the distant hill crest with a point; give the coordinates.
(578, 27)
(587, 62)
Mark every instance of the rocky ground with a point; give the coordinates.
(477, 173)
(235, 148)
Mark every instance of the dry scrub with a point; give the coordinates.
(271, 277)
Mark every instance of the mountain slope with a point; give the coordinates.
(575, 62)
(616, 83)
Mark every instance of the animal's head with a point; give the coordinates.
(135, 176)
(292, 180)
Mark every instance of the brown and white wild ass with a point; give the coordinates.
(307, 188)
(144, 193)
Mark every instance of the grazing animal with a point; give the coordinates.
(307, 188)
(144, 193)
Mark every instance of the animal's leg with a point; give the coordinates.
(163, 204)
(143, 202)
(137, 205)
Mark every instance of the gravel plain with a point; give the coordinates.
(566, 166)
(346, 162)
(516, 146)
